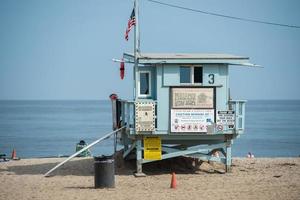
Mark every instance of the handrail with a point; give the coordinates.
(239, 107)
(85, 148)
(234, 101)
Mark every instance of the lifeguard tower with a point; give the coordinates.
(181, 106)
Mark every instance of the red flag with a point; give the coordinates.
(131, 23)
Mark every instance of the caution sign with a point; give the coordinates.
(191, 120)
(152, 148)
(225, 119)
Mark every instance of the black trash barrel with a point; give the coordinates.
(104, 172)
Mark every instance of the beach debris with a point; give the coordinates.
(14, 155)
(173, 181)
(250, 155)
(277, 176)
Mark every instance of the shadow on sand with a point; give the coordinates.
(85, 167)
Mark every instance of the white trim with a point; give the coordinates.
(139, 84)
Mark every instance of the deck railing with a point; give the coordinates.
(239, 107)
(127, 115)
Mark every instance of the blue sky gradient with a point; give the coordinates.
(62, 49)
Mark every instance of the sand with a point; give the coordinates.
(258, 178)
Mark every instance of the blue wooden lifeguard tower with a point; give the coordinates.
(181, 106)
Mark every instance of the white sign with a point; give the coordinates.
(191, 120)
(225, 119)
(145, 119)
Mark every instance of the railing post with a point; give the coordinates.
(243, 114)
(139, 158)
(114, 98)
(228, 156)
(115, 142)
(237, 121)
(123, 113)
(128, 114)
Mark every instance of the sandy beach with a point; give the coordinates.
(258, 178)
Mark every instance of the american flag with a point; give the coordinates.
(131, 23)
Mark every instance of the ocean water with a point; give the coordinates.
(52, 128)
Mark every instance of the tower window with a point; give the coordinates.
(191, 75)
(144, 84)
(185, 74)
(198, 74)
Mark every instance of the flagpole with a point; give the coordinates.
(136, 47)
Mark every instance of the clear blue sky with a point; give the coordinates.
(62, 49)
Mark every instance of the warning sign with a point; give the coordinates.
(145, 116)
(152, 148)
(225, 119)
(191, 120)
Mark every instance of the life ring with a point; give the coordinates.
(122, 69)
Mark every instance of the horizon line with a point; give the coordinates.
(129, 98)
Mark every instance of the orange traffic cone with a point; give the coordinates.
(14, 155)
(173, 181)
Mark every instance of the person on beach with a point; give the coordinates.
(250, 155)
